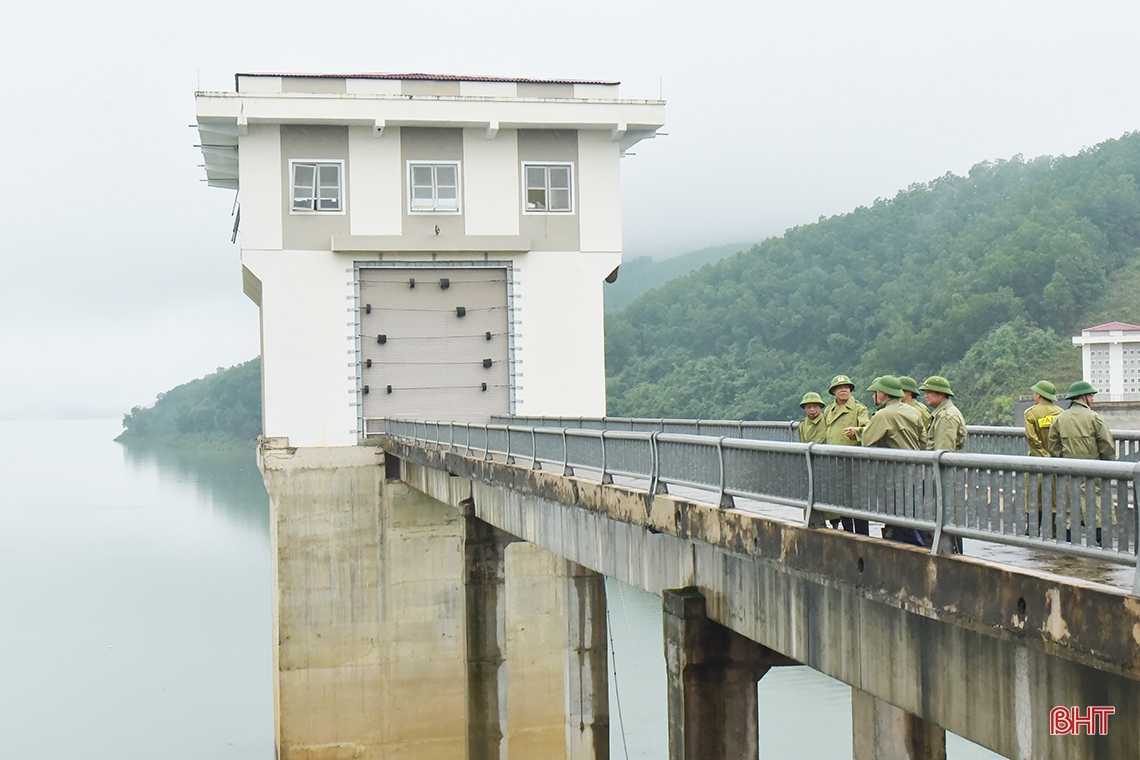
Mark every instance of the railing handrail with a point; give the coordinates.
(987, 496)
(1007, 430)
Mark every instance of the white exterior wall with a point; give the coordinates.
(488, 89)
(259, 176)
(372, 86)
(375, 181)
(560, 333)
(490, 183)
(599, 192)
(308, 347)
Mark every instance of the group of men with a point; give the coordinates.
(901, 421)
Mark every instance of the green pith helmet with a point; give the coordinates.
(888, 384)
(938, 384)
(908, 384)
(1080, 388)
(1045, 390)
(812, 398)
(839, 380)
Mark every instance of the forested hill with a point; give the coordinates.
(982, 278)
(216, 411)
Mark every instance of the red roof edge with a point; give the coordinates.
(1109, 326)
(429, 77)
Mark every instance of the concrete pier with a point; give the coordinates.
(587, 673)
(484, 550)
(881, 731)
(405, 626)
(712, 678)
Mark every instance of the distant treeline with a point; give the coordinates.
(983, 279)
(218, 410)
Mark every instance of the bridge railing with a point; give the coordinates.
(982, 439)
(1065, 506)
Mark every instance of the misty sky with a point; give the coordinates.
(119, 280)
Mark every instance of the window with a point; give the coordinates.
(433, 187)
(548, 188)
(317, 187)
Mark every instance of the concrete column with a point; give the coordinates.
(484, 575)
(712, 682)
(881, 731)
(587, 682)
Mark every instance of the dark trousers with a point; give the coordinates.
(855, 525)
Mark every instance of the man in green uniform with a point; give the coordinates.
(947, 426)
(1038, 419)
(844, 419)
(910, 398)
(811, 427)
(1080, 433)
(896, 425)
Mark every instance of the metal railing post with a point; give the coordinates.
(1136, 527)
(607, 479)
(567, 470)
(534, 463)
(726, 500)
(940, 545)
(510, 459)
(811, 519)
(656, 485)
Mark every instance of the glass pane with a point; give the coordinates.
(445, 175)
(535, 177)
(560, 177)
(303, 174)
(446, 193)
(421, 175)
(421, 194)
(330, 175)
(536, 200)
(329, 204)
(302, 204)
(559, 200)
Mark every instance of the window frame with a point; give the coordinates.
(410, 165)
(317, 163)
(547, 165)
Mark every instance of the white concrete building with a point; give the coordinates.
(424, 245)
(1110, 356)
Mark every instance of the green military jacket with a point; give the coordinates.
(924, 413)
(947, 428)
(813, 431)
(1038, 419)
(836, 417)
(1080, 433)
(895, 426)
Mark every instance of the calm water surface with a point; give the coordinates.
(136, 621)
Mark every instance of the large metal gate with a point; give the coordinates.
(435, 342)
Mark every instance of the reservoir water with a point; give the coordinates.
(136, 615)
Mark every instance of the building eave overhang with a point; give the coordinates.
(223, 117)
